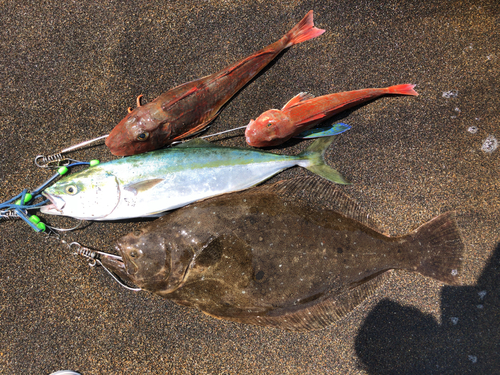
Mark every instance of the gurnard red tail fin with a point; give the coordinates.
(440, 249)
(405, 89)
(303, 31)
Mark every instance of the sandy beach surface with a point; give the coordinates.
(70, 70)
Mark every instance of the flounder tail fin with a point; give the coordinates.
(440, 247)
(303, 31)
(315, 155)
(405, 89)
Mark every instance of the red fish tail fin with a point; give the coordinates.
(438, 248)
(406, 89)
(303, 31)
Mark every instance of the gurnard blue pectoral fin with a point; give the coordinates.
(327, 131)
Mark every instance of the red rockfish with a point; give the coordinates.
(190, 107)
(304, 111)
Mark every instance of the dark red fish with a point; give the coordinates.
(304, 111)
(189, 108)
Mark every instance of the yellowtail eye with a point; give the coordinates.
(143, 136)
(71, 189)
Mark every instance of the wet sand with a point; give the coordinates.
(68, 74)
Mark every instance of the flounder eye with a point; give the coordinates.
(133, 254)
(71, 189)
(143, 136)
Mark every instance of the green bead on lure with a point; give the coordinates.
(158, 181)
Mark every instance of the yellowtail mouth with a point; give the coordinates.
(57, 204)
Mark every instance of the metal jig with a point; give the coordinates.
(93, 256)
(58, 160)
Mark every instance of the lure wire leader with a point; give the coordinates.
(57, 160)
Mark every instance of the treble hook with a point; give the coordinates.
(93, 256)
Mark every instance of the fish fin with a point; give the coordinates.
(317, 193)
(224, 266)
(297, 99)
(315, 154)
(327, 131)
(226, 254)
(195, 130)
(144, 185)
(440, 248)
(189, 92)
(321, 312)
(156, 214)
(405, 89)
(303, 31)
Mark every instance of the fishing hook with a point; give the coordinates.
(93, 256)
(67, 229)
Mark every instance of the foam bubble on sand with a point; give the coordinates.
(472, 358)
(450, 94)
(490, 144)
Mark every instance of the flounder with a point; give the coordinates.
(273, 256)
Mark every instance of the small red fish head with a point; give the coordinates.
(140, 131)
(269, 129)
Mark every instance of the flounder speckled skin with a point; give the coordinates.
(272, 256)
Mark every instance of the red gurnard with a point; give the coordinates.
(304, 111)
(190, 107)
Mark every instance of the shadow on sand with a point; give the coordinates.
(396, 339)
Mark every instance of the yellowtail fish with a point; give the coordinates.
(158, 181)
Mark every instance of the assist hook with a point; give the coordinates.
(93, 256)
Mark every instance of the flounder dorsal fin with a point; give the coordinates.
(297, 99)
(139, 187)
(320, 313)
(320, 194)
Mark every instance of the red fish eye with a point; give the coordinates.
(269, 124)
